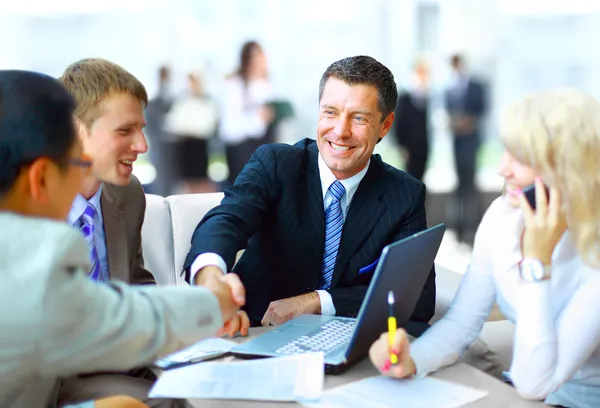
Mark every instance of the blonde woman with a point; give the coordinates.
(541, 266)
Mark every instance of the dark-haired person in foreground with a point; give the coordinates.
(54, 320)
(314, 217)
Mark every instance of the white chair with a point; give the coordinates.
(187, 211)
(157, 240)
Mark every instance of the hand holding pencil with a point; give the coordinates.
(391, 353)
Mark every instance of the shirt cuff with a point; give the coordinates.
(327, 307)
(206, 259)
(426, 355)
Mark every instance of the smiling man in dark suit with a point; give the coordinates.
(314, 217)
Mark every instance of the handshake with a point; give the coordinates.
(231, 295)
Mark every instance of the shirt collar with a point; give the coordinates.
(79, 205)
(350, 184)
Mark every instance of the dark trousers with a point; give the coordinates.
(416, 163)
(467, 205)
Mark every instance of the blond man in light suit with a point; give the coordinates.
(55, 321)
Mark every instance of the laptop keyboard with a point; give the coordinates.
(327, 338)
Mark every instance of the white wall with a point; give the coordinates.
(517, 45)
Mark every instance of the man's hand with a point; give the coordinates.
(462, 124)
(222, 290)
(119, 402)
(280, 311)
(238, 323)
(213, 272)
(207, 272)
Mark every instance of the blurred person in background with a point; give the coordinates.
(191, 124)
(465, 102)
(411, 126)
(246, 115)
(160, 148)
(542, 265)
(56, 321)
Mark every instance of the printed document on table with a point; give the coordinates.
(291, 378)
(384, 392)
(203, 350)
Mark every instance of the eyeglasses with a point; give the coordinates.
(83, 163)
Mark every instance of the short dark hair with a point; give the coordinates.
(457, 60)
(36, 120)
(365, 70)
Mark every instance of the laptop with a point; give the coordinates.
(402, 268)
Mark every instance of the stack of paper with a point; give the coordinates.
(384, 392)
(293, 378)
(203, 350)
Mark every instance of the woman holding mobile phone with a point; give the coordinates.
(541, 266)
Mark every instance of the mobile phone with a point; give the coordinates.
(530, 194)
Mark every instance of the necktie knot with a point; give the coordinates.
(88, 214)
(87, 220)
(337, 190)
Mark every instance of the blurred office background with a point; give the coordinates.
(514, 46)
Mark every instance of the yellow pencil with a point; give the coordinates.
(392, 327)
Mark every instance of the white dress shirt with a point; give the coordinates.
(77, 208)
(327, 178)
(557, 325)
(240, 110)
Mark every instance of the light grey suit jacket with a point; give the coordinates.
(55, 322)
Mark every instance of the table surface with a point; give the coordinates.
(500, 394)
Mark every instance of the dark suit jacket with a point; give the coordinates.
(411, 124)
(471, 102)
(275, 211)
(123, 209)
(411, 128)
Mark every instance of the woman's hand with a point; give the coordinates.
(380, 355)
(544, 226)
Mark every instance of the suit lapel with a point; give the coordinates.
(365, 210)
(116, 235)
(311, 192)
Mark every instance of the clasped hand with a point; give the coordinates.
(231, 295)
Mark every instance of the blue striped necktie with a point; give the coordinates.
(334, 222)
(87, 229)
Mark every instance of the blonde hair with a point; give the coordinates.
(91, 80)
(557, 133)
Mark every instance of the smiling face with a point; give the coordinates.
(516, 175)
(350, 125)
(115, 139)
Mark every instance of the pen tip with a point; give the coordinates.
(390, 297)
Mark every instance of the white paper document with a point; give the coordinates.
(205, 349)
(383, 392)
(293, 378)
